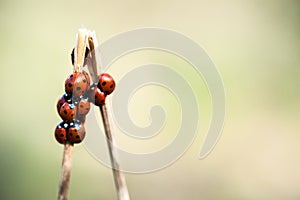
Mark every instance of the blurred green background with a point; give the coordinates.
(254, 44)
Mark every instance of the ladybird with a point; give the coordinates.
(60, 132)
(76, 133)
(97, 97)
(64, 98)
(83, 107)
(76, 84)
(68, 111)
(106, 83)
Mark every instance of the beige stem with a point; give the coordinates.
(120, 183)
(66, 172)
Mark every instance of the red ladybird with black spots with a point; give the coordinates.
(63, 99)
(106, 83)
(96, 96)
(76, 84)
(68, 111)
(76, 133)
(60, 132)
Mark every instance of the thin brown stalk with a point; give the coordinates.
(119, 178)
(120, 183)
(66, 172)
(93, 62)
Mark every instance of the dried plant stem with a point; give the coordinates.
(120, 183)
(66, 172)
(79, 52)
(119, 178)
(93, 63)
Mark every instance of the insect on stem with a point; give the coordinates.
(83, 38)
(79, 51)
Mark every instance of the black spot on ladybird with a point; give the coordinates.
(65, 112)
(104, 83)
(69, 84)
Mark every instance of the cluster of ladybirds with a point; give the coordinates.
(74, 105)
